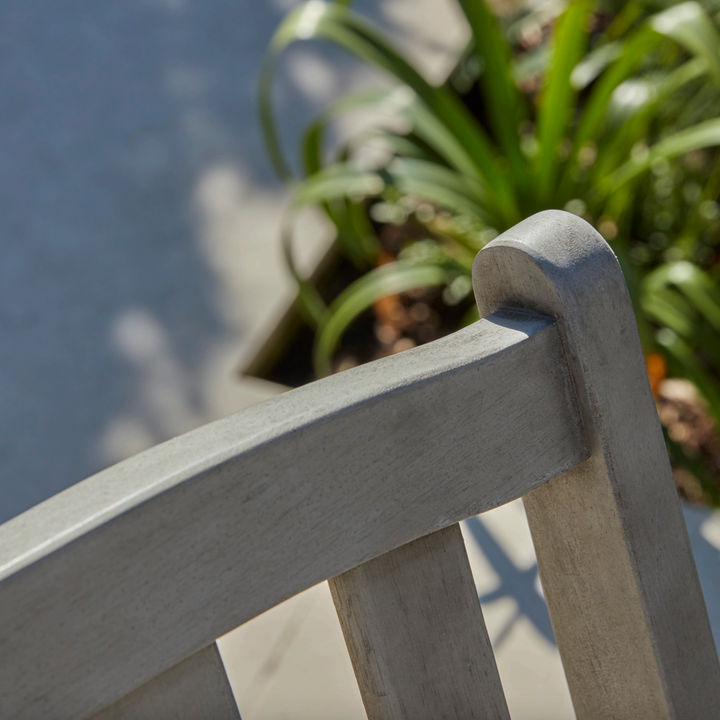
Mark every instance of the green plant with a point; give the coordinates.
(611, 116)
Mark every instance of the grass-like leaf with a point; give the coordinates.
(593, 116)
(686, 24)
(349, 31)
(314, 135)
(696, 285)
(389, 279)
(689, 25)
(557, 96)
(702, 135)
(685, 302)
(632, 108)
(503, 100)
(590, 67)
(442, 186)
(336, 183)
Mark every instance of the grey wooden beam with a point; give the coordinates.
(416, 634)
(119, 578)
(613, 550)
(193, 689)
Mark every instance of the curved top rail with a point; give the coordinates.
(116, 579)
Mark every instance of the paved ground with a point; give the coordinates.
(139, 217)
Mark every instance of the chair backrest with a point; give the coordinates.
(118, 587)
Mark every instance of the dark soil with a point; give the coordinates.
(393, 324)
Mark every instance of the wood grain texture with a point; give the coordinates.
(117, 579)
(193, 689)
(416, 635)
(613, 550)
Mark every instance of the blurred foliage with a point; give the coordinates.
(609, 111)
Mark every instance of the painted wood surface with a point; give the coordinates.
(194, 689)
(119, 578)
(612, 547)
(416, 635)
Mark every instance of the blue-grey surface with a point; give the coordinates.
(108, 112)
(134, 192)
(704, 529)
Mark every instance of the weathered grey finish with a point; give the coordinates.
(194, 689)
(612, 547)
(416, 635)
(117, 579)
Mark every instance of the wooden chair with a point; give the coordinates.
(113, 592)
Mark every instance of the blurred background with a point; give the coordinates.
(142, 271)
(142, 265)
(139, 217)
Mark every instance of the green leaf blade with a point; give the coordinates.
(348, 30)
(389, 279)
(689, 25)
(502, 97)
(558, 95)
(703, 135)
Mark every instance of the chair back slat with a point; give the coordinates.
(121, 577)
(416, 635)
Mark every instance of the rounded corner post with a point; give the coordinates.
(612, 546)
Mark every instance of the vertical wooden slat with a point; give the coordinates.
(194, 689)
(416, 635)
(613, 551)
